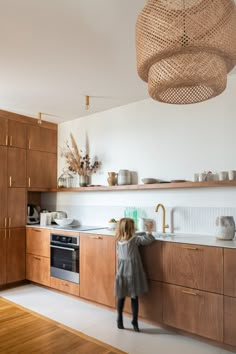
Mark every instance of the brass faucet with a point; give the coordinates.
(164, 226)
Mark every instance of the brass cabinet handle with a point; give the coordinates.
(29, 182)
(190, 248)
(36, 230)
(5, 234)
(11, 140)
(5, 222)
(29, 144)
(6, 139)
(10, 181)
(189, 292)
(64, 284)
(96, 237)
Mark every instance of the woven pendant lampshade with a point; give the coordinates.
(185, 48)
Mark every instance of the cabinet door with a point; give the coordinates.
(230, 272)
(194, 311)
(38, 241)
(16, 167)
(42, 169)
(3, 186)
(3, 131)
(97, 268)
(38, 269)
(16, 134)
(194, 266)
(3, 256)
(15, 255)
(65, 286)
(42, 139)
(229, 320)
(152, 260)
(17, 207)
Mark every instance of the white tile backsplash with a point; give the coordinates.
(181, 219)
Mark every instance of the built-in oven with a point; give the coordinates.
(64, 257)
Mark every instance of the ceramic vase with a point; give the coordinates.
(112, 178)
(83, 181)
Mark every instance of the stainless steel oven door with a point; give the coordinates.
(65, 262)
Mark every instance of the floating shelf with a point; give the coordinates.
(148, 186)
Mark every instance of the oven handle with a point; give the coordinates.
(64, 248)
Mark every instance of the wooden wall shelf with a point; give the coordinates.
(148, 186)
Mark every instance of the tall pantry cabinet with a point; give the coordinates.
(15, 181)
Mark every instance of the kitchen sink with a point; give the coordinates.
(162, 234)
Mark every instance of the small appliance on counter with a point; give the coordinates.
(32, 214)
(57, 215)
(225, 227)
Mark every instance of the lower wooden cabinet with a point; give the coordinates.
(194, 311)
(65, 286)
(229, 320)
(12, 255)
(150, 303)
(97, 268)
(38, 269)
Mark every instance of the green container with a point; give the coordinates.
(132, 213)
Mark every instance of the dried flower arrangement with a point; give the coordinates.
(78, 163)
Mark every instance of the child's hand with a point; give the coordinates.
(149, 226)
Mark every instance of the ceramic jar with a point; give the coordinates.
(112, 178)
(124, 177)
(83, 180)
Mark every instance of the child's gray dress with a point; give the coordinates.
(131, 279)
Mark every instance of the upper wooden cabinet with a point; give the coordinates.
(3, 131)
(42, 139)
(17, 134)
(194, 266)
(230, 272)
(97, 268)
(16, 159)
(41, 169)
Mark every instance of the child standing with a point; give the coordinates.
(130, 278)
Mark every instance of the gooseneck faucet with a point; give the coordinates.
(164, 226)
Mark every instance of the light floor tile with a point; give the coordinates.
(100, 323)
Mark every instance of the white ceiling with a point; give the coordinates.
(54, 52)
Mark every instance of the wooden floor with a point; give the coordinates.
(26, 332)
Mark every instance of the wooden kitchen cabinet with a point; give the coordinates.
(12, 251)
(38, 241)
(38, 269)
(194, 266)
(38, 255)
(152, 260)
(41, 169)
(3, 131)
(3, 186)
(230, 272)
(194, 311)
(16, 159)
(229, 320)
(65, 286)
(42, 139)
(16, 207)
(97, 268)
(17, 134)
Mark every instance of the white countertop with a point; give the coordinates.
(194, 239)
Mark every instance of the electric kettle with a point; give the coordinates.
(225, 227)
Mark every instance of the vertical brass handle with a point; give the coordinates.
(6, 139)
(11, 140)
(29, 144)
(5, 234)
(10, 181)
(5, 222)
(9, 221)
(29, 182)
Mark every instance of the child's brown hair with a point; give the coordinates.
(125, 229)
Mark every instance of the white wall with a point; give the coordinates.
(161, 141)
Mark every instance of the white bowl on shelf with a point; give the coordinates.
(64, 221)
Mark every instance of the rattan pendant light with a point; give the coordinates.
(185, 48)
